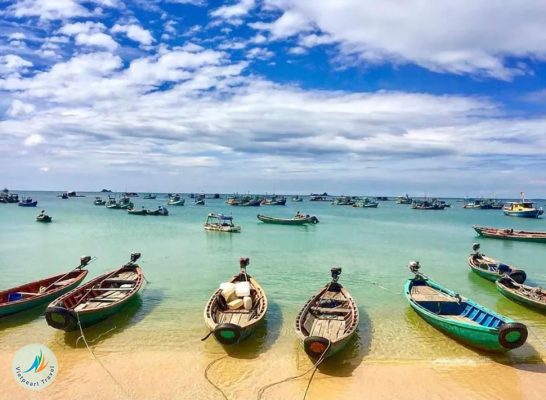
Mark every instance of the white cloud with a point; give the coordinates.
(17, 36)
(234, 12)
(12, 63)
(44, 169)
(135, 32)
(48, 9)
(462, 37)
(81, 27)
(34, 140)
(101, 40)
(18, 108)
(260, 53)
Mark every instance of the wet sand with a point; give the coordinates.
(155, 375)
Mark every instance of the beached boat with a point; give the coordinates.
(510, 234)
(236, 308)
(176, 200)
(42, 292)
(161, 211)
(492, 269)
(328, 320)
(43, 217)
(299, 219)
(462, 318)
(98, 299)
(150, 196)
(522, 209)
(366, 203)
(220, 223)
(99, 201)
(27, 202)
(531, 296)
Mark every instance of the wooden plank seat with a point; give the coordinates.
(121, 281)
(63, 283)
(102, 300)
(120, 289)
(426, 293)
(333, 310)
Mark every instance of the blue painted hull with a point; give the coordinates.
(523, 214)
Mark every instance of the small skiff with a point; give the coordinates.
(511, 234)
(530, 296)
(492, 269)
(299, 220)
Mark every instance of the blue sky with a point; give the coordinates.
(347, 96)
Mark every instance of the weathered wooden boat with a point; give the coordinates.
(99, 201)
(161, 211)
(42, 292)
(27, 202)
(523, 209)
(492, 269)
(43, 217)
(134, 211)
(98, 299)
(531, 296)
(328, 320)
(236, 308)
(462, 318)
(510, 234)
(176, 200)
(220, 223)
(299, 219)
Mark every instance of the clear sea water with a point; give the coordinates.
(184, 264)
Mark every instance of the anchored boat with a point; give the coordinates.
(491, 269)
(462, 318)
(43, 217)
(531, 296)
(176, 200)
(366, 203)
(328, 320)
(41, 292)
(510, 234)
(236, 308)
(299, 219)
(99, 201)
(27, 202)
(98, 299)
(523, 209)
(161, 211)
(220, 223)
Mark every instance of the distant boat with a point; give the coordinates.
(99, 201)
(404, 200)
(134, 211)
(63, 196)
(235, 309)
(150, 196)
(41, 292)
(460, 317)
(161, 211)
(510, 234)
(522, 209)
(428, 205)
(98, 299)
(297, 199)
(130, 194)
(491, 269)
(530, 296)
(382, 198)
(274, 201)
(7, 197)
(220, 223)
(74, 194)
(483, 204)
(344, 201)
(365, 203)
(299, 219)
(176, 200)
(328, 320)
(319, 197)
(43, 217)
(28, 202)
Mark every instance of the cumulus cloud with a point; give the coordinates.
(18, 108)
(89, 34)
(460, 37)
(12, 63)
(135, 32)
(34, 140)
(17, 36)
(235, 12)
(48, 9)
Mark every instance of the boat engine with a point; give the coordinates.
(336, 272)
(414, 267)
(135, 257)
(84, 260)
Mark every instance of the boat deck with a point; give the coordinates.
(426, 293)
(100, 297)
(237, 317)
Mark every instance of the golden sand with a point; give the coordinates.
(154, 375)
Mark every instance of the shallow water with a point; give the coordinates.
(184, 264)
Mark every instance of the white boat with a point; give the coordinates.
(220, 223)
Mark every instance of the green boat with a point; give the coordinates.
(510, 234)
(299, 219)
(328, 320)
(531, 296)
(133, 211)
(98, 299)
(491, 269)
(42, 292)
(461, 318)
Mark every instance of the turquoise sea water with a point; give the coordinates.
(184, 264)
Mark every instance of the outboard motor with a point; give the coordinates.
(336, 272)
(84, 260)
(414, 267)
(135, 257)
(244, 262)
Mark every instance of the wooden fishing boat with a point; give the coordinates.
(328, 320)
(98, 299)
(220, 223)
(236, 308)
(297, 199)
(42, 292)
(43, 217)
(299, 219)
(99, 201)
(404, 200)
(462, 318)
(522, 209)
(27, 202)
(344, 201)
(150, 196)
(274, 201)
(366, 203)
(176, 200)
(492, 269)
(134, 211)
(531, 296)
(161, 211)
(428, 205)
(510, 234)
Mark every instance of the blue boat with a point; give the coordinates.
(462, 318)
(523, 209)
(27, 202)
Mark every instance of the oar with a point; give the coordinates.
(84, 260)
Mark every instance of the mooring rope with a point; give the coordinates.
(208, 379)
(313, 368)
(82, 336)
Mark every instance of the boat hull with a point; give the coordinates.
(286, 221)
(505, 291)
(523, 214)
(504, 234)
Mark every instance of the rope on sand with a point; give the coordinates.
(208, 379)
